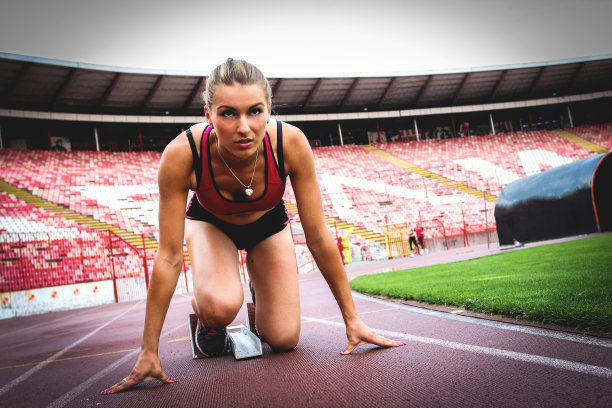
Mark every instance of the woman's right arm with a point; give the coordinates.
(174, 178)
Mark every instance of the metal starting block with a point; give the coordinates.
(243, 342)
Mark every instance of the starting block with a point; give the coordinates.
(243, 342)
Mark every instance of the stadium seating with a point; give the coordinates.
(119, 189)
(368, 191)
(600, 134)
(489, 162)
(358, 187)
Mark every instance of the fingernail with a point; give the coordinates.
(103, 392)
(343, 352)
(173, 379)
(110, 392)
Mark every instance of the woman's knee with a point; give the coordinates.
(281, 341)
(217, 309)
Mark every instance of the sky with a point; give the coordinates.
(331, 38)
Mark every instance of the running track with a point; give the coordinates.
(64, 359)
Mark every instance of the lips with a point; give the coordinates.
(244, 143)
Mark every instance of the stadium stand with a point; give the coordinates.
(444, 184)
(598, 134)
(118, 189)
(488, 163)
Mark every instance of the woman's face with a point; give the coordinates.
(239, 114)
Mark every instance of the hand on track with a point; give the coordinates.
(148, 367)
(359, 334)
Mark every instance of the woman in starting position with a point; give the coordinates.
(237, 164)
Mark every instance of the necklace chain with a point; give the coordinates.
(248, 191)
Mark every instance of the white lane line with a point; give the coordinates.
(60, 353)
(576, 338)
(49, 322)
(70, 395)
(513, 355)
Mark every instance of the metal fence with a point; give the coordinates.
(33, 260)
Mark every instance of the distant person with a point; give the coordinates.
(238, 205)
(412, 242)
(419, 230)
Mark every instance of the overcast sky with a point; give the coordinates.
(310, 37)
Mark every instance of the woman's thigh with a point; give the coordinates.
(218, 292)
(273, 271)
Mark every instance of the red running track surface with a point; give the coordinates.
(64, 359)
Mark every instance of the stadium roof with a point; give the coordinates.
(322, 57)
(36, 84)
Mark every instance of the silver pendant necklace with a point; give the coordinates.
(247, 189)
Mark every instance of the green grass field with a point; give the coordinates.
(566, 284)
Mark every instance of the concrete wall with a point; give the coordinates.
(43, 300)
(51, 299)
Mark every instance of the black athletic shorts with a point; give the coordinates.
(244, 236)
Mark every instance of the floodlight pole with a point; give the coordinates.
(97, 141)
(569, 115)
(340, 133)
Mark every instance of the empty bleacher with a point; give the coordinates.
(118, 189)
(600, 134)
(444, 184)
(488, 163)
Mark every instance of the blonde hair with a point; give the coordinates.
(232, 71)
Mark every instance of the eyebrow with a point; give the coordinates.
(231, 107)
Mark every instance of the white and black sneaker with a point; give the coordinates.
(211, 342)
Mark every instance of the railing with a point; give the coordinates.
(441, 225)
(397, 235)
(34, 260)
(127, 283)
(31, 260)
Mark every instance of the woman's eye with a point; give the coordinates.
(227, 114)
(256, 111)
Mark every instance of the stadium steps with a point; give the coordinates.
(593, 147)
(492, 198)
(345, 226)
(81, 219)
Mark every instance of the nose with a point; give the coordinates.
(243, 125)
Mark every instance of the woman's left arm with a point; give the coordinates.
(299, 163)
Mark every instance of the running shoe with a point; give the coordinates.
(251, 318)
(252, 289)
(211, 342)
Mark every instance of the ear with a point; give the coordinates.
(207, 114)
(269, 110)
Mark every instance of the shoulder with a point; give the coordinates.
(177, 160)
(293, 138)
(296, 149)
(290, 133)
(179, 146)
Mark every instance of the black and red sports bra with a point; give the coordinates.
(207, 191)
